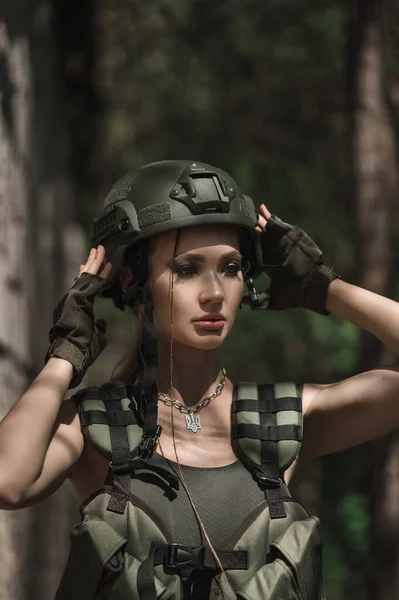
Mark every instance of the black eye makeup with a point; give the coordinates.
(189, 265)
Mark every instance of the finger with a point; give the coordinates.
(97, 258)
(265, 212)
(105, 273)
(90, 259)
(94, 263)
(261, 223)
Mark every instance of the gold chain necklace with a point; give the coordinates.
(194, 423)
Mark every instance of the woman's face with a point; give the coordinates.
(207, 282)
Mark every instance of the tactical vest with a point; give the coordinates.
(120, 552)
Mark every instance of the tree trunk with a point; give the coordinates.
(39, 252)
(375, 192)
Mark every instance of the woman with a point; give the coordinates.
(175, 514)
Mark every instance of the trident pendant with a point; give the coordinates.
(194, 423)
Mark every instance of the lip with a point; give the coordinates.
(210, 325)
(211, 317)
(211, 322)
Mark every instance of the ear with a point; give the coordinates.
(125, 276)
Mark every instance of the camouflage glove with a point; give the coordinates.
(75, 336)
(295, 266)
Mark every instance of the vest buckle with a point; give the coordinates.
(267, 481)
(148, 442)
(180, 556)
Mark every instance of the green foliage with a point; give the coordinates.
(353, 511)
(340, 339)
(338, 571)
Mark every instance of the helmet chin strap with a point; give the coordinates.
(257, 301)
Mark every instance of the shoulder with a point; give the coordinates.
(309, 394)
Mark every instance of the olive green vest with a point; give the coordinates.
(120, 552)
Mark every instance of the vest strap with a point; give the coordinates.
(186, 559)
(119, 418)
(271, 433)
(119, 439)
(254, 417)
(151, 429)
(120, 453)
(268, 452)
(270, 404)
(119, 480)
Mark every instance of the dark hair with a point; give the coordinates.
(139, 367)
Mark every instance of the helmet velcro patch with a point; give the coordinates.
(154, 214)
(121, 189)
(247, 210)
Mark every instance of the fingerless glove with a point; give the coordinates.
(295, 266)
(74, 335)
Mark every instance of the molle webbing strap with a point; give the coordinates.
(269, 455)
(111, 406)
(151, 429)
(105, 409)
(270, 404)
(257, 430)
(267, 431)
(114, 419)
(185, 559)
(113, 415)
(120, 456)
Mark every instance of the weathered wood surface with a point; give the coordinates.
(39, 251)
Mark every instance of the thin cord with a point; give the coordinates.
(173, 430)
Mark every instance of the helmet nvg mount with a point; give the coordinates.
(166, 195)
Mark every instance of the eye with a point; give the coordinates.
(232, 270)
(185, 271)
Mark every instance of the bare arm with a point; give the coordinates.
(40, 438)
(365, 406)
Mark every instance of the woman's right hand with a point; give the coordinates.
(75, 336)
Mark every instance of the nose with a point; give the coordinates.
(212, 290)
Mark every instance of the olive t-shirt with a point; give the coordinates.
(227, 500)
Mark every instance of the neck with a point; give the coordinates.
(194, 373)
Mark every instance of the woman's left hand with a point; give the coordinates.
(294, 264)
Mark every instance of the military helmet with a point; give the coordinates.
(166, 195)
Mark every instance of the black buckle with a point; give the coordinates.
(119, 469)
(253, 294)
(257, 300)
(147, 444)
(180, 556)
(268, 482)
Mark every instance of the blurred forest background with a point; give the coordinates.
(299, 101)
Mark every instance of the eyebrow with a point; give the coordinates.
(200, 258)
